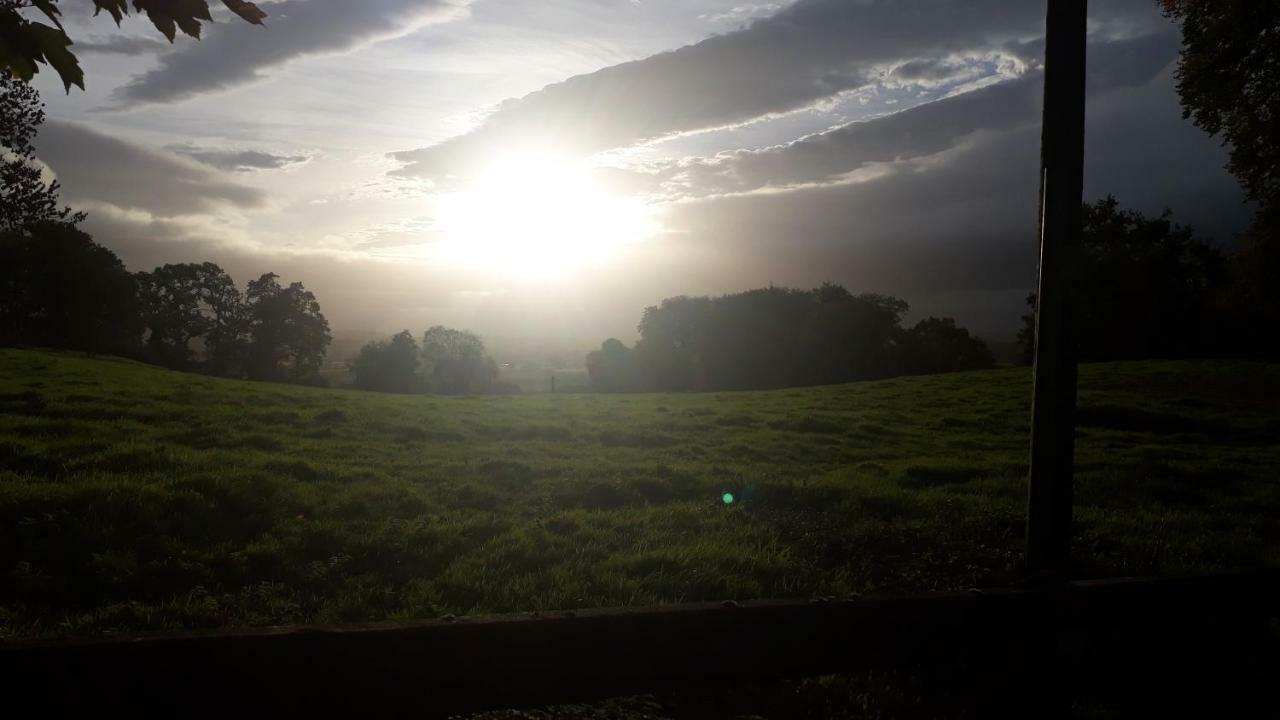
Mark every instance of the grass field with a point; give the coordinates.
(134, 498)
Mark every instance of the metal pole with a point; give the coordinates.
(1062, 185)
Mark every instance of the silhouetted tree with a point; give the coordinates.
(26, 43)
(388, 366)
(454, 362)
(288, 335)
(1147, 288)
(186, 302)
(58, 288)
(25, 199)
(857, 338)
(937, 345)
(616, 368)
(770, 337)
(1229, 86)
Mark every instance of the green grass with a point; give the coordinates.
(134, 498)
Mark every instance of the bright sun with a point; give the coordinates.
(537, 216)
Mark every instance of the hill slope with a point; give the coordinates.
(139, 498)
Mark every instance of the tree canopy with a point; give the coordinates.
(287, 332)
(388, 365)
(26, 200)
(1229, 82)
(780, 337)
(454, 362)
(58, 288)
(186, 302)
(1147, 287)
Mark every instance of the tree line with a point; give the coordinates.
(449, 362)
(60, 289)
(780, 337)
(1150, 288)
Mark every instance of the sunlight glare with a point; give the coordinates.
(538, 215)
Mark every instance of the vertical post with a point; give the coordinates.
(1062, 185)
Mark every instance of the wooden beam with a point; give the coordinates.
(469, 664)
(1054, 395)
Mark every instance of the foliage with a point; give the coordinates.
(186, 302)
(1230, 86)
(25, 44)
(25, 199)
(136, 499)
(937, 345)
(771, 337)
(617, 368)
(58, 288)
(454, 362)
(1147, 287)
(1229, 83)
(288, 335)
(388, 366)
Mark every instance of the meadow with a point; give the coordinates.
(139, 499)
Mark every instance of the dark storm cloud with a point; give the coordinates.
(120, 45)
(238, 160)
(233, 53)
(960, 223)
(807, 52)
(918, 132)
(93, 167)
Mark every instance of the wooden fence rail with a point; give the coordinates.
(475, 663)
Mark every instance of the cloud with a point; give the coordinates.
(120, 45)
(238, 160)
(954, 230)
(234, 53)
(914, 133)
(740, 14)
(805, 53)
(94, 167)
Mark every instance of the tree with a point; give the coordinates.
(25, 199)
(388, 366)
(616, 368)
(58, 288)
(765, 338)
(1148, 287)
(1230, 86)
(187, 302)
(454, 362)
(937, 345)
(857, 337)
(1229, 83)
(25, 43)
(287, 333)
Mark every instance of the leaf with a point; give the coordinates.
(116, 8)
(169, 16)
(247, 10)
(25, 43)
(52, 44)
(50, 10)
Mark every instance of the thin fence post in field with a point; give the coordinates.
(1062, 185)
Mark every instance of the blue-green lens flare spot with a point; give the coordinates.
(727, 498)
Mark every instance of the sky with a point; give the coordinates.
(541, 172)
